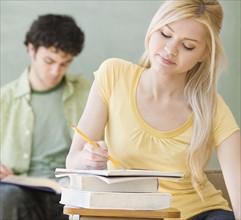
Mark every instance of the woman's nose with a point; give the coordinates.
(171, 49)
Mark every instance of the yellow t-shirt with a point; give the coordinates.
(135, 144)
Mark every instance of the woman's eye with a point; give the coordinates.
(188, 48)
(165, 35)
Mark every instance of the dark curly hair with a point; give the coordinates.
(59, 31)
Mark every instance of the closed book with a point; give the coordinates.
(113, 184)
(114, 200)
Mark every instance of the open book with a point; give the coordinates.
(33, 182)
(112, 184)
(115, 180)
(121, 173)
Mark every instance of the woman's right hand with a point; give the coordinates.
(5, 171)
(90, 157)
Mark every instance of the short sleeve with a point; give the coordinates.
(224, 123)
(107, 76)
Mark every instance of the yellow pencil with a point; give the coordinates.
(95, 144)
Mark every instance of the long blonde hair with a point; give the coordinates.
(201, 81)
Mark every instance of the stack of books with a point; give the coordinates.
(115, 189)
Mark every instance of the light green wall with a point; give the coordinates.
(113, 29)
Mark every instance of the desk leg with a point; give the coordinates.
(74, 217)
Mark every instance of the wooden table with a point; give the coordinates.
(120, 214)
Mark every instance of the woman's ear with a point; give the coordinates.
(31, 50)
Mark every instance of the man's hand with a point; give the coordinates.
(5, 171)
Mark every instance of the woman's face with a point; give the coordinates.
(178, 46)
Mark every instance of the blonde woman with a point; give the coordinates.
(165, 113)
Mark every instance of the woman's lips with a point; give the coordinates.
(166, 61)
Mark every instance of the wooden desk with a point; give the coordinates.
(120, 214)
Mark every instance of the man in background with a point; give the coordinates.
(37, 111)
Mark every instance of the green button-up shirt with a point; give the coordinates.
(17, 118)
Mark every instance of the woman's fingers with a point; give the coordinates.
(102, 145)
(96, 153)
(95, 157)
